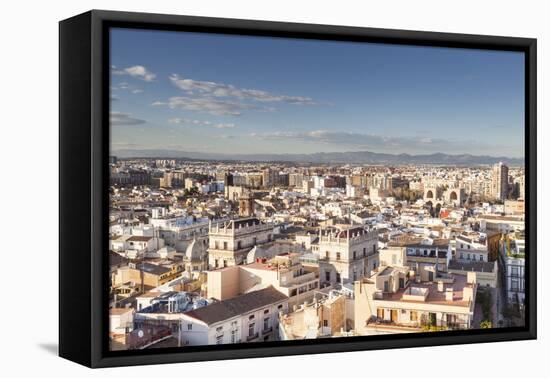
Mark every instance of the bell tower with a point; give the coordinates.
(246, 204)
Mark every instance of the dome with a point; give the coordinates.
(194, 251)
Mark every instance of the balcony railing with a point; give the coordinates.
(252, 337)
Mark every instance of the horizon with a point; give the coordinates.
(228, 94)
(297, 153)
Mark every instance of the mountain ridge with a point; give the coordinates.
(349, 157)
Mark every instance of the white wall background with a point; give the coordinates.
(29, 142)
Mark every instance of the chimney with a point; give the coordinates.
(449, 294)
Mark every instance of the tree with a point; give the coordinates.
(486, 324)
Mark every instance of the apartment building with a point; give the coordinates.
(250, 317)
(229, 242)
(433, 252)
(347, 253)
(284, 272)
(395, 300)
(471, 249)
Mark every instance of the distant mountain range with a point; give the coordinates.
(351, 157)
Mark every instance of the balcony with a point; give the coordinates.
(267, 330)
(252, 337)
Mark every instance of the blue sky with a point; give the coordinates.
(219, 93)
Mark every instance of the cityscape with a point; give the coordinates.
(289, 210)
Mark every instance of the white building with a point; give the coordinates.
(250, 317)
(469, 249)
(347, 253)
(229, 242)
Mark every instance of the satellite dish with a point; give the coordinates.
(140, 333)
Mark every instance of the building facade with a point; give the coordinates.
(229, 242)
(347, 253)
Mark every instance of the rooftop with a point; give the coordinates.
(242, 304)
(431, 294)
(472, 266)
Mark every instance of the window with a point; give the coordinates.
(480, 257)
(216, 245)
(325, 323)
(337, 277)
(461, 255)
(266, 311)
(280, 307)
(224, 245)
(374, 248)
(216, 263)
(233, 338)
(354, 255)
(364, 252)
(219, 339)
(337, 256)
(266, 324)
(251, 317)
(326, 255)
(251, 330)
(394, 259)
(225, 263)
(469, 257)
(380, 313)
(414, 316)
(401, 282)
(327, 276)
(189, 327)
(219, 329)
(239, 244)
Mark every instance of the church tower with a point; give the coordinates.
(246, 204)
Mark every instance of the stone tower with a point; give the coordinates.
(246, 204)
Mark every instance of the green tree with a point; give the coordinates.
(486, 324)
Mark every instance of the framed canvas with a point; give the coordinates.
(236, 189)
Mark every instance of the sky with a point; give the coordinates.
(241, 94)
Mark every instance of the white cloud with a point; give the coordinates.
(124, 119)
(205, 105)
(124, 86)
(214, 89)
(224, 126)
(138, 72)
(201, 123)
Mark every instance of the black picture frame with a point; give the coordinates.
(83, 181)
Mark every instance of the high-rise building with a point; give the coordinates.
(499, 181)
(269, 177)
